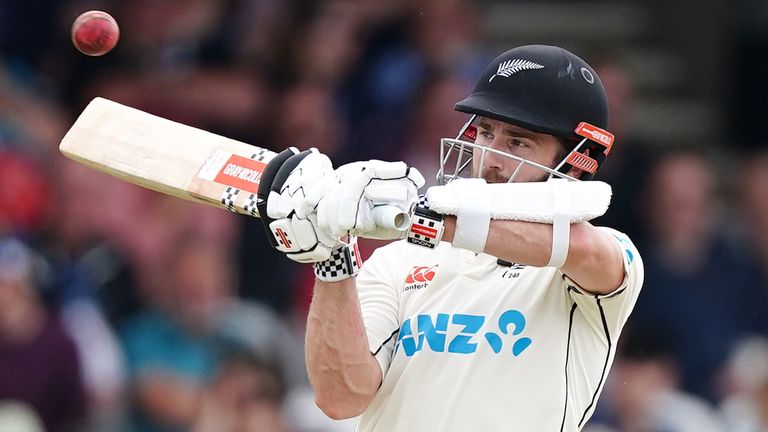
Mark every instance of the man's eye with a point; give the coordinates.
(486, 134)
(518, 143)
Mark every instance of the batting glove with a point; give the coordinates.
(358, 194)
(289, 219)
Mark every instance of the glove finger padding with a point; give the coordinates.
(313, 171)
(358, 188)
(290, 219)
(397, 191)
(278, 205)
(348, 196)
(267, 180)
(316, 175)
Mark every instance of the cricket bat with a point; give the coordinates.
(178, 159)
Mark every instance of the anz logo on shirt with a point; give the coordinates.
(475, 332)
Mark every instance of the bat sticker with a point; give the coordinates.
(233, 170)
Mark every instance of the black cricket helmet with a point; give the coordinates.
(545, 89)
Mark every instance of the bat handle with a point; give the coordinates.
(391, 217)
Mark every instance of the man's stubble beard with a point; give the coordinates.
(495, 176)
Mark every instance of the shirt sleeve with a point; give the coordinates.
(609, 312)
(379, 303)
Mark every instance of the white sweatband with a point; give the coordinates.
(473, 220)
(561, 223)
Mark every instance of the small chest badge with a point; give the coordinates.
(419, 277)
(512, 270)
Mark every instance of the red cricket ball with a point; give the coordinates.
(95, 33)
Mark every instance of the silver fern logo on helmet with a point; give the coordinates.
(511, 67)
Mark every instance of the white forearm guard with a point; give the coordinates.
(558, 202)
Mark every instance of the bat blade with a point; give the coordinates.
(167, 156)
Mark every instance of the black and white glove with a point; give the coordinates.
(307, 207)
(290, 221)
(364, 196)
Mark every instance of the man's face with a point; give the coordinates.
(536, 147)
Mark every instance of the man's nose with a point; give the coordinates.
(493, 159)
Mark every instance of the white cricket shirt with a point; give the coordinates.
(466, 344)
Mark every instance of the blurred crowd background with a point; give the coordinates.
(124, 310)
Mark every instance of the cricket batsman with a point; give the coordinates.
(500, 306)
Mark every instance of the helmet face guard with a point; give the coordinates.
(461, 157)
(544, 89)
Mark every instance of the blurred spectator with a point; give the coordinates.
(378, 90)
(101, 359)
(174, 348)
(745, 406)
(246, 394)
(24, 194)
(19, 417)
(232, 101)
(92, 285)
(30, 129)
(699, 286)
(433, 118)
(308, 116)
(752, 182)
(168, 35)
(39, 364)
(263, 276)
(642, 393)
(109, 237)
(629, 163)
(754, 199)
(459, 50)
(253, 31)
(30, 122)
(89, 259)
(327, 45)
